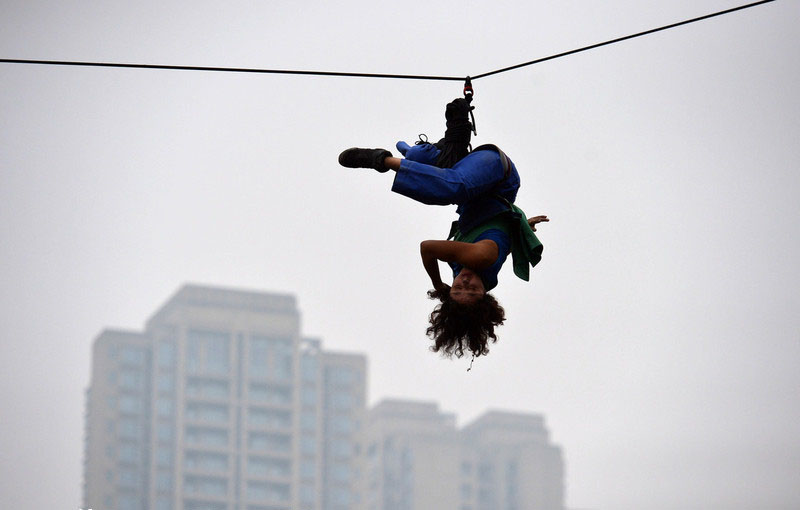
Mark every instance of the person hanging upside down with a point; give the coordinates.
(483, 184)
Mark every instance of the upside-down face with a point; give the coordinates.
(467, 287)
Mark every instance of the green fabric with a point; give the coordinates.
(526, 249)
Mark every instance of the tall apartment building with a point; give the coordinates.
(416, 459)
(412, 453)
(220, 404)
(509, 463)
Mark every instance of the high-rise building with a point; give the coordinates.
(220, 404)
(416, 459)
(412, 453)
(509, 463)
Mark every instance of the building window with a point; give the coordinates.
(309, 396)
(265, 491)
(130, 380)
(216, 413)
(259, 357)
(341, 448)
(268, 467)
(341, 497)
(308, 421)
(129, 452)
(165, 432)
(206, 485)
(207, 388)
(486, 497)
(130, 404)
(258, 392)
(207, 436)
(269, 418)
(309, 366)
(190, 504)
(132, 356)
(340, 472)
(307, 494)
(128, 478)
(166, 383)
(341, 400)
(217, 354)
(308, 470)
(270, 357)
(164, 457)
(208, 352)
(283, 345)
(512, 469)
(308, 445)
(194, 361)
(341, 424)
(269, 442)
(270, 394)
(129, 428)
(283, 366)
(166, 354)
(163, 503)
(165, 407)
(343, 376)
(486, 471)
(205, 461)
(128, 502)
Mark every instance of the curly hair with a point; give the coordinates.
(456, 327)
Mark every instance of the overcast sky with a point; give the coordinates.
(659, 336)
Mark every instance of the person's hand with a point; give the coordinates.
(421, 152)
(440, 292)
(536, 219)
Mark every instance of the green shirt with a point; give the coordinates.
(526, 249)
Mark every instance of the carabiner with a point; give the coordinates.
(468, 92)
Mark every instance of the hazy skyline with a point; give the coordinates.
(659, 335)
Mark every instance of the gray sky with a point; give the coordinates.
(660, 335)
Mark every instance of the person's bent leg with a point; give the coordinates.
(392, 163)
(472, 177)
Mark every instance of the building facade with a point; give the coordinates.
(220, 404)
(416, 459)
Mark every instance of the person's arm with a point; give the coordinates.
(476, 256)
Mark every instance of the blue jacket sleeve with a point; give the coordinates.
(475, 175)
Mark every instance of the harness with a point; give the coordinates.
(526, 249)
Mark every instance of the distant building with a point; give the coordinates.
(416, 459)
(219, 404)
(412, 453)
(509, 463)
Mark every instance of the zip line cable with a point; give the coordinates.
(377, 75)
(625, 38)
(231, 69)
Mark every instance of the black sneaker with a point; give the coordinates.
(364, 158)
